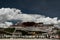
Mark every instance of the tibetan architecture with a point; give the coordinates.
(36, 30)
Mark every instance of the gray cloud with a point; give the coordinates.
(16, 14)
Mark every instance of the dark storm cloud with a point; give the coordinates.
(45, 7)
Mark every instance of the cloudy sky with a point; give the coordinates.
(45, 7)
(28, 10)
